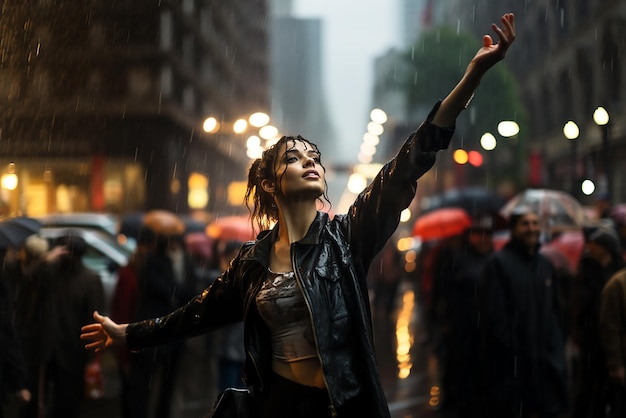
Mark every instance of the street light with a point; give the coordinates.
(488, 141)
(212, 125)
(259, 119)
(601, 118)
(508, 128)
(571, 132)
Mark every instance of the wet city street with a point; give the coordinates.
(398, 348)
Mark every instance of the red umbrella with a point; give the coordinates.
(237, 228)
(441, 223)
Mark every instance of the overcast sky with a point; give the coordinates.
(354, 32)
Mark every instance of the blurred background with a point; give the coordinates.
(110, 111)
(119, 108)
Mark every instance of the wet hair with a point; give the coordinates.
(260, 203)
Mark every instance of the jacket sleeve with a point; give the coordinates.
(611, 320)
(375, 214)
(219, 304)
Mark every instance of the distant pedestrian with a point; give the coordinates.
(602, 206)
(457, 285)
(124, 305)
(228, 341)
(78, 290)
(523, 357)
(34, 290)
(618, 216)
(384, 278)
(613, 340)
(13, 375)
(601, 259)
(166, 282)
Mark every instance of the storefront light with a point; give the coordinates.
(9, 181)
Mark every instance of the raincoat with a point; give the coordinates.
(521, 320)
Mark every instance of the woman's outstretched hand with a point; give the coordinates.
(103, 333)
(486, 57)
(491, 53)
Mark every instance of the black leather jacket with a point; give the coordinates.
(331, 264)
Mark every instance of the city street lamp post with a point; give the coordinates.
(571, 132)
(601, 118)
(488, 142)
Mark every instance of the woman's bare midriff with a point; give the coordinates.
(306, 372)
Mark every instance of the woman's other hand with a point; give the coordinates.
(103, 333)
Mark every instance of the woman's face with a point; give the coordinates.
(299, 171)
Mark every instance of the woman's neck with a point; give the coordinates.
(295, 218)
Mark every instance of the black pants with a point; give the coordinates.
(286, 399)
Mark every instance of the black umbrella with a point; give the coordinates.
(14, 231)
(476, 201)
(130, 224)
(193, 225)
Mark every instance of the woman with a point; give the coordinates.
(312, 270)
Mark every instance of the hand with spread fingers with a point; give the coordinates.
(103, 333)
(491, 52)
(486, 57)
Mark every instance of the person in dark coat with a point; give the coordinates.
(124, 305)
(167, 281)
(228, 342)
(77, 291)
(33, 295)
(601, 259)
(457, 288)
(523, 355)
(613, 339)
(12, 364)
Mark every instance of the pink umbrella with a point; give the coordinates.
(237, 228)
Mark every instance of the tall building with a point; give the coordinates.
(102, 103)
(388, 90)
(298, 101)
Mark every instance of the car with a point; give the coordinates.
(103, 256)
(105, 222)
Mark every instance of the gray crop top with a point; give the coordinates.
(281, 305)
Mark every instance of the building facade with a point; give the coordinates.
(568, 60)
(102, 103)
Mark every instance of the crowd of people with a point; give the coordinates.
(538, 340)
(47, 296)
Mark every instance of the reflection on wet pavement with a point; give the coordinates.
(408, 369)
